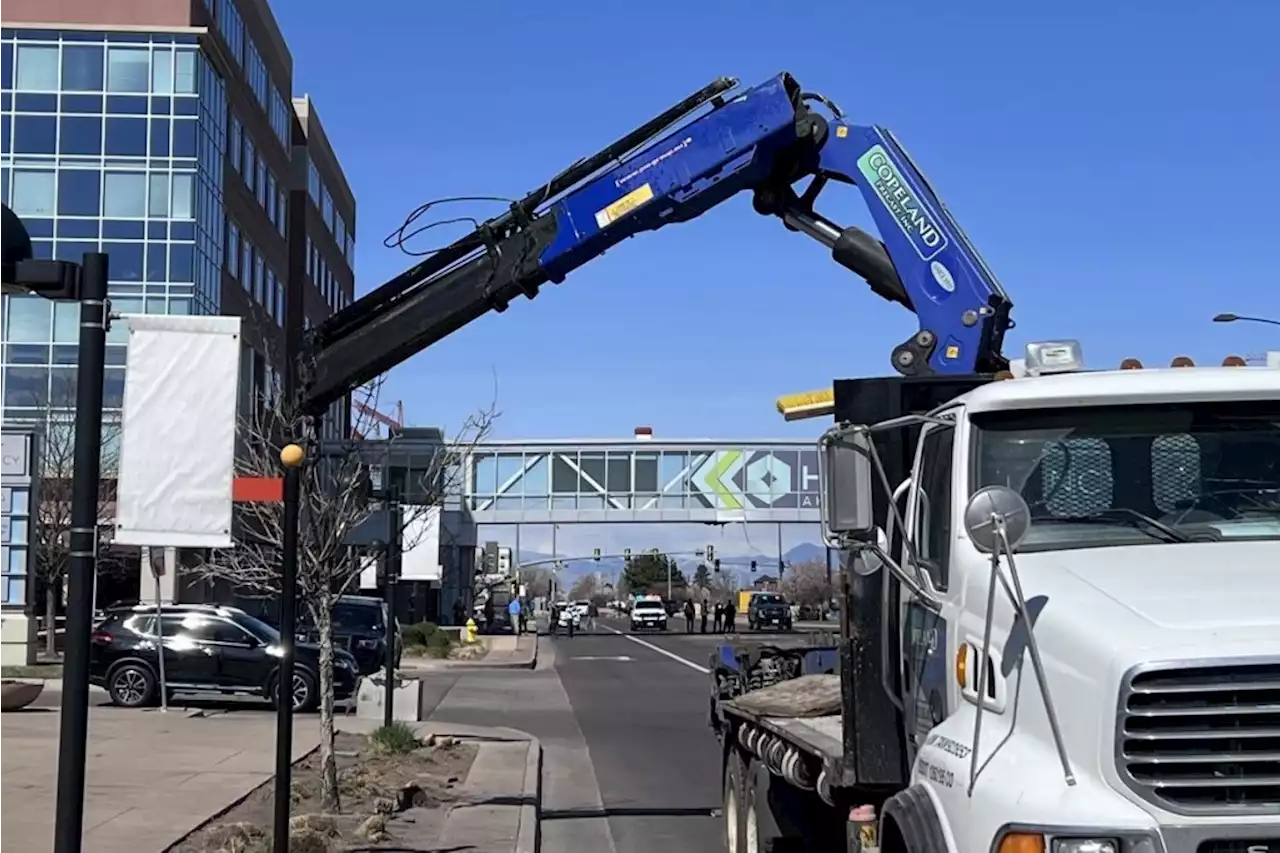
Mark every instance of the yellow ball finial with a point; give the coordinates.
(291, 455)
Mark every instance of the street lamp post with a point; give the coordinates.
(1237, 318)
(85, 282)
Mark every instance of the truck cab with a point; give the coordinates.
(1103, 674)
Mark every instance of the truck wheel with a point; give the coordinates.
(734, 814)
(909, 824)
(781, 818)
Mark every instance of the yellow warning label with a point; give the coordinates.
(842, 132)
(624, 205)
(867, 836)
(953, 351)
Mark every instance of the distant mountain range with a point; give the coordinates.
(739, 563)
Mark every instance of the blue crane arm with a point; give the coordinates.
(766, 140)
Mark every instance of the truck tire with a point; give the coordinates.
(779, 818)
(909, 824)
(734, 811)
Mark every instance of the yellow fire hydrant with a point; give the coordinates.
(472, 630)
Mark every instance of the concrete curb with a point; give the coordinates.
(529, 839)
(529, 834)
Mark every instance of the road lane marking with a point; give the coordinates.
(626, 658)
(675, 657)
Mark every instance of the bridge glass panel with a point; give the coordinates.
(636, 482)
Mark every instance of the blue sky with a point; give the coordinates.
(1115, 162)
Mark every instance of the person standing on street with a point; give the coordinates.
(688, 615)
(513, 615)
(593, 610)
(729, 614)
(719, 620)
(706, 605)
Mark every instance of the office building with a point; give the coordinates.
(158, 131)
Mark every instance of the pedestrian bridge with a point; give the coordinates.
(592, 481)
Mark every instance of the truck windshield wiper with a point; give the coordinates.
(1124, 515)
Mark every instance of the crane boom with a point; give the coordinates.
(766, 140)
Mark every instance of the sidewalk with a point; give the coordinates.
(150, 776)
(500, 800)
(506, 651)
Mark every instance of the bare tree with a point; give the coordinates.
(51, 536)
(537, 581)
(336, 499)
(585, 588)
(806, 583)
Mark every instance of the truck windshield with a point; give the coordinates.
(1143, 474)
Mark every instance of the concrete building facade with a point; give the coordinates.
(160, 132)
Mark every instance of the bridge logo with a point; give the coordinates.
(737, 479)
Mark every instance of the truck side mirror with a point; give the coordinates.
(869, 561)
(844, 463)
(989, 505)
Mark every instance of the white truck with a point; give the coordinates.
(1096, 554)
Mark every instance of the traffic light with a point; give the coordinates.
(595, 554)
(753, 565)
(716, 562)
(626, 556)
(711, 552)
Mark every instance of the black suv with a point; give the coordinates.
(768, 609)
(359, 625)
(207, 649)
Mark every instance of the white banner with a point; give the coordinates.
(420, 559)
(177, 449)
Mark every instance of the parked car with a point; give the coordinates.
(359, 625)
(207, 649)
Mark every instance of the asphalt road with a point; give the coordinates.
(629, 763)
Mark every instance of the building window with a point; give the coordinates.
(82, 68)
(281, 208)
(124, 195)
(313, 183)
(232, 28)
(271, 197)
(250, 162)
(37, 69)
(33, 192)
(128, 70)
(262, 182)
(233, 249)
(326, 209)
(246, 263)
(235, 143)
(258, 277)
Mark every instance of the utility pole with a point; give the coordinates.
(780, 566)
(292, 456)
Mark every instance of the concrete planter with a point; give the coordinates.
(19, 694)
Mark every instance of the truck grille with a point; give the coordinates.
(1203, 739)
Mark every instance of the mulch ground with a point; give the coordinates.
(373, 789)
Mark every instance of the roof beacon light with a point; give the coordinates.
(1054, 357)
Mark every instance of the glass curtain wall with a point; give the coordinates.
(111, 142)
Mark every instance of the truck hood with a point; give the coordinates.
(1170, 594)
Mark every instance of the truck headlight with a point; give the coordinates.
(1086, 845)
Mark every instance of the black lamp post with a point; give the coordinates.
(86, 283)
(1236, 318)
